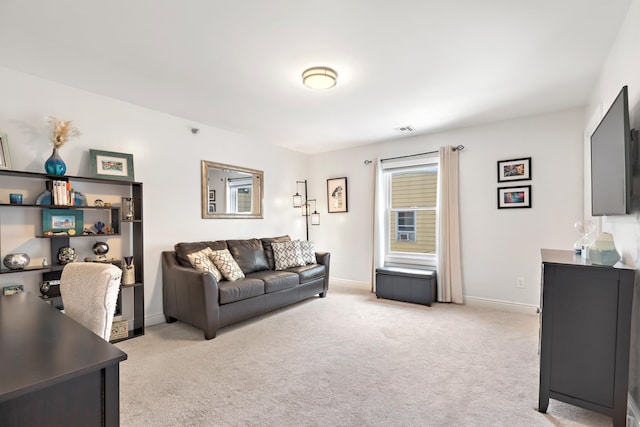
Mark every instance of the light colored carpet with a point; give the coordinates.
(347, 360)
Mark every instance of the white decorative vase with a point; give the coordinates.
(603, 250)
(128, 271)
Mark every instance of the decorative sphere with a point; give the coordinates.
(100, 248)
(16, 261)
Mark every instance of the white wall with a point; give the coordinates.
(623, 68)
(166, 159)
(498, 245)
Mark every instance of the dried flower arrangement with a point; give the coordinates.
(61, 131)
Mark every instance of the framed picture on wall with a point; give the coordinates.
(514, 197)
(5, 158)
(514, 169)
(337, 195)
(111, 165)
(69, 221)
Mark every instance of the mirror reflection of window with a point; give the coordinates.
(231, 191)
(239, 190)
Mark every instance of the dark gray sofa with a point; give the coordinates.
(197, 298)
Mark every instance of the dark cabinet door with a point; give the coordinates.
(583, 343)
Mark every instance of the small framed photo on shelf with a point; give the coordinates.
(514, 169)
(69, 221)
(514, 197)
(337, 195)
(12, 289)
(111, 165)
(5, 157)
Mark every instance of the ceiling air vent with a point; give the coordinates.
(407, 128)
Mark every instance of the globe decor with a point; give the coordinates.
(61, 132)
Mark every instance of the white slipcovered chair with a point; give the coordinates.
(89, 293)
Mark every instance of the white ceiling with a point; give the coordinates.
(236, 65)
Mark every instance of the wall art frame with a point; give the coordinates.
(337, 200)
(62, 221)
(5, 156)
(514, 169)
(111, 165)
(514, 197)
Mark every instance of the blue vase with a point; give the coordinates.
(54, 164)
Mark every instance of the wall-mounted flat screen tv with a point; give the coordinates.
(611, 167)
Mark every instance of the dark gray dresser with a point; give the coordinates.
(585, 334)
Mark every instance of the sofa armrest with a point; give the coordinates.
(189, 295)
(324, 258)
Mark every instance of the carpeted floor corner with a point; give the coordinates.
(346, 360)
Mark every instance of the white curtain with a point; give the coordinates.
(378, 223)
(449, 274)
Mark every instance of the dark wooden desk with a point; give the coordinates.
(53, 371)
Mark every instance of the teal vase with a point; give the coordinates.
(54, 164)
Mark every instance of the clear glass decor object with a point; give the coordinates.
(127, 209)
(585, 228)
(603, 251)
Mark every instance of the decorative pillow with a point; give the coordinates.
(287, 255)
(268, 252)
(227, 265)
(308, 252)
(201, 261)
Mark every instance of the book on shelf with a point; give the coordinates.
(62, 193)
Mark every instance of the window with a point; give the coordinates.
(406, 226)
(410, 211)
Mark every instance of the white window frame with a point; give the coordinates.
(405, 258)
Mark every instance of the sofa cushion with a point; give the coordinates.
(276, 280)
(240, 289)
(309, 272)
(249, 254)
(186, 248)
(287, 254)
(308, 252)
(202, 261)
(227, 265)
(268, 251)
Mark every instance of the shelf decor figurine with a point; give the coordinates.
(61, 132)
(100, 249)
(603, 250)
(128, 272)
(66, 255)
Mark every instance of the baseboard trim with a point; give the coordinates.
(358, 283)
(633, 413)
(154, 319)
(514, 307)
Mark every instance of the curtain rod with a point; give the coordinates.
(456, 148)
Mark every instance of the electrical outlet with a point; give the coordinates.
(519, 282)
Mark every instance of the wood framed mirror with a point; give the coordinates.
(231, 191)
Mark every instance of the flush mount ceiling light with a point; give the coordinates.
(319, 78)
